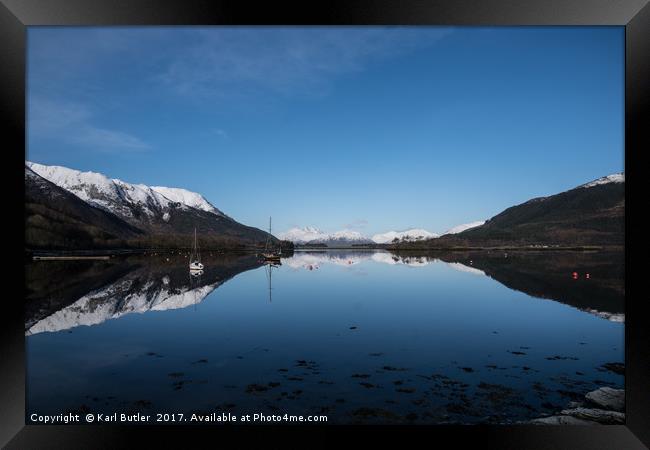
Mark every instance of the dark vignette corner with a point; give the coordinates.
(12, 115)
(493, 12)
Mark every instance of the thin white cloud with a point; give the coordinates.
(71, 123)
(233, 63)
(90, 137)
(359, 223)
(221, 133)
(285, 60)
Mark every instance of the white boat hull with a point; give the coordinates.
(196, 266)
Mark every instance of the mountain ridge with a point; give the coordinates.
(64, 204)
(591, 214)
(67, 208)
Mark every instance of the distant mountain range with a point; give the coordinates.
(314, 236)
(408, 235)
(69, 209)
(309, 236)
(590, 214)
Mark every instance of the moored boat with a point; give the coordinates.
(195, 257)
(271, 255)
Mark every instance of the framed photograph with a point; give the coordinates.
(245, 221)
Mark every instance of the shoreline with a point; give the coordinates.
(581, 248)
(108, 253)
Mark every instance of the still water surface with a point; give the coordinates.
(357, 336)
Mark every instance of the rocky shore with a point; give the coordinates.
(604, 406)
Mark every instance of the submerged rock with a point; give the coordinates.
(618, 368)
(252, 388)
(561, 420)
(596, 415)
(608, 398)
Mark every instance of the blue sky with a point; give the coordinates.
(367, 128)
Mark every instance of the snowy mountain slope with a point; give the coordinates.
(465, 226)
(302, 235)
(408, 235)
(613, 178)
(312, 235)
(188, 198)
(132, 202)
(342, 237)
(53, 215)
(169, 214)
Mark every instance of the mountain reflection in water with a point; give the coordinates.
(362, 336)
(141, 284)
(91, 292)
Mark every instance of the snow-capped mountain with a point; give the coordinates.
(131, 202)
(47, 204)
(465, 226)
(302, 235)
(414, 234)
(592, 214)
(158, 216)
(343, 237)
(312, 235)
(188, 198)
(613, 178)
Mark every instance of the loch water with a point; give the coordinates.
(357, 336)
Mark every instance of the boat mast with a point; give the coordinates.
(268, 238)
(198, 249)
(195, 256)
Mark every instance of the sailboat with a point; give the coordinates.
(269, 254)
(196, 267)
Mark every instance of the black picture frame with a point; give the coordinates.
(16, 15)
